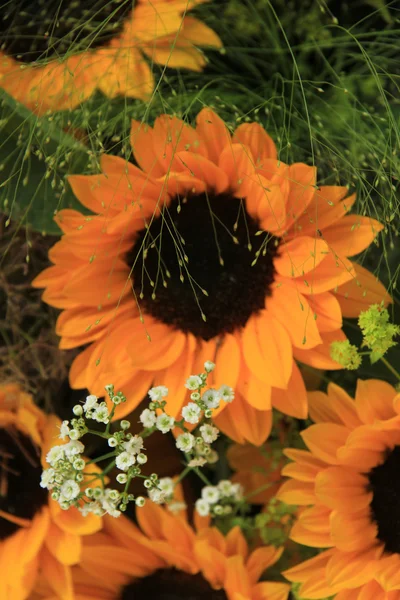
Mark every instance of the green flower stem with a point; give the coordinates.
(104, 457)
(183, 474)
(99, 434)
(109, 467)
(391, 369)
(201, 475)
(110, 417)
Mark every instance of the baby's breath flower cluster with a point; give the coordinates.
(219, 500)
(195, 443)
(73, 484)
(69, 480)
(378, 332)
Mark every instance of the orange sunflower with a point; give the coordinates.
(168, 558)
(114, 43)
(349, 481)
(210, 248)
(35, 534)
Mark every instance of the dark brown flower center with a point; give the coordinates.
(170, 584)
(385, 506)
(32, 30)
(20, 471)
(201, 267)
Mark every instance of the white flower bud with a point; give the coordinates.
(77, 410)
(141, 458)
(112, 442)
(209, 366)
(140, 501)
(122, 478)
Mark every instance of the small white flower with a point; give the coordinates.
(199, 461)
(47, 478)
(134, 445)
(90, 507)
(69, 490)
(55, 454)
(202, 507)
(226, 393)
(165, 423)
(156, 496)
(91, 402)
(176, 507)
(148, 418)
(237, 491)
(64, 430)
(210, 494)
(73, 448)
(193, 383)
(211, 398)
(158, 393)
(110, 509)
(191, 413)
(101, 414)
(225, 488)
(124, 461)
(166, 485)
(185, 442)
(209, 433)
(209, 366)
(140, 501)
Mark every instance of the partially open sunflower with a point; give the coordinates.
(349, 480)
(54, 55)
(36, 536)
(168, 558)
(210, 248)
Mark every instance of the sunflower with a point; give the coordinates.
(210, 248)
(166, 557)
(35, 534)
(348, 480)
(113, 43)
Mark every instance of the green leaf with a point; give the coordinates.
(36, 154)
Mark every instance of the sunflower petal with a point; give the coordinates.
(267, 350)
